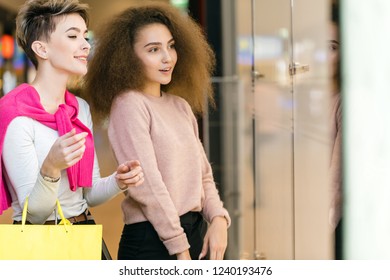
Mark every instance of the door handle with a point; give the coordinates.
(297, 68)
(257, 75)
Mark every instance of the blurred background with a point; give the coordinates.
(270, 138)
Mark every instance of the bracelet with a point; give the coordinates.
(50, 179)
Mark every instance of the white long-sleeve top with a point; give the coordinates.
(26, 145)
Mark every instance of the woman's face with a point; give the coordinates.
(68, 48)
(333, 48)
(155, 47)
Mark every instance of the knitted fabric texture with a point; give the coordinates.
(25, 101)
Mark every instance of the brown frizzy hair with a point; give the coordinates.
(37, 19)
(115, 68)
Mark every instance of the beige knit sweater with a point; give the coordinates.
(162, 133)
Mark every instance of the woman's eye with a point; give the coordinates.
(333, 47)
(153, 50)
(72, 36)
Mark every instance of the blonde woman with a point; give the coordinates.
(46, 139)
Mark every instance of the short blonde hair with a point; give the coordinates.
(36, 20)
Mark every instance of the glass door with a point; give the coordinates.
(276, 134)
(291, 129)
(311, 127)
(273, 130)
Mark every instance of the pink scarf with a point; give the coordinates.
(25, 101)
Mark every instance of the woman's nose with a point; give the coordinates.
(86, 45)
(167, 57)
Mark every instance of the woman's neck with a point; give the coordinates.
(154, 90)
(51, 91)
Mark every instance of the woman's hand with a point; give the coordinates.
(66, 151)
(184, 255)
(215, 239)
(129, 174)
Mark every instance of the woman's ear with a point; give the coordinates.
(40, 49)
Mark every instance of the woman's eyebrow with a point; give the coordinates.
(76, 29)
(157, 43)
(334, 42)
(153, 44)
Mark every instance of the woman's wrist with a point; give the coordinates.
(184, 255)
(120, 185)
(50, 174)
(221, 218)
(50, 178)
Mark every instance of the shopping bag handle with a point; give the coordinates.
(64, 221)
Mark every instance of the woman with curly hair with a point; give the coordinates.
(150, 72)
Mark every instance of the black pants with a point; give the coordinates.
(140, 241)
(339, 241)
(105, 253)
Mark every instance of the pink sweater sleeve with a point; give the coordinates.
(212, 204)
(130, 137)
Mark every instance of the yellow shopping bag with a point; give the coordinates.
(50, 242)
